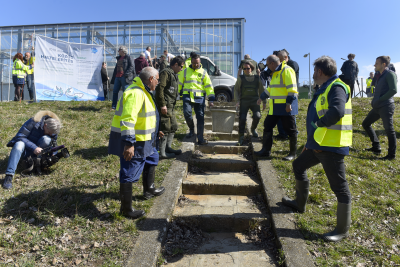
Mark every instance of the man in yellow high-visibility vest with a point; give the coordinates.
(370, 87)
(30, 82)
(329, 135)
(134, 138)
(194, 84)
(283, 105)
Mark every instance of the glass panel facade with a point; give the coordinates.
(222, 40)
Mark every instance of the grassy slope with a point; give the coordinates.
(375, 188)
(77, 202)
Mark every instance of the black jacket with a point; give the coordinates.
(129, 69)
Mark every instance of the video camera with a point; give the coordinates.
(48, 157)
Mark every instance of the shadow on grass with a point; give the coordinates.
(92, 153)
(59, 202)
(85, 108)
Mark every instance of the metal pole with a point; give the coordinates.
(362, 89)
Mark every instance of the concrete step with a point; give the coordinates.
(209, 119)
(215, 136)
(217, 183)
(208, 126)
(227, 249)
(222, 162)
(221, 147)
(220, 212)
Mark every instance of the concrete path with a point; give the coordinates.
(221, 202)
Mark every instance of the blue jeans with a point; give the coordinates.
(118, 83)
(199, 110)
(30, 84)
(18, 150)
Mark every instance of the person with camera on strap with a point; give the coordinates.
(35, 134)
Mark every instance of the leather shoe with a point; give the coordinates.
(388, 157)
(375, 150)
(204, 142)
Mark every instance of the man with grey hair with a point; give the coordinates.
(134, 138)
(140, 63)
(123, 74)
(283, 105)
(37, 133)
(329, 135)
(255, 71)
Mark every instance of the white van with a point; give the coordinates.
(223, 83)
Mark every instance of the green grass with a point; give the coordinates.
(375, 188)
(80, 192)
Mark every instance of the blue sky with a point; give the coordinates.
(334, 28)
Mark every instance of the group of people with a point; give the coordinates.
(328, 122)
(145, 123)
(22, 73)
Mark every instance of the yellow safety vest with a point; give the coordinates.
(29, 63)
(283, 84)
(135, 113)
(19, 69)
(369, 81)
(195, 83)
(187, 63)
(340, 134)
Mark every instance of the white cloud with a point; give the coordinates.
(364, 73)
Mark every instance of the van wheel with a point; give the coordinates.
(223, 96)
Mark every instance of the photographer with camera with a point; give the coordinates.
(37, 133)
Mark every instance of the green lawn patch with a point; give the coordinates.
(72, 213)
(375, 188)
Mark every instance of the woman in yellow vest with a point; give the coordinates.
(329, 135)
(19, 72)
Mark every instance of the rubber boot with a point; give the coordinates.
(266, 146)
(241, 137)
(125, 194)
(200, 134)
(7, 184)
(163, 145)
(149, 189)
(299, 204)
(253, 128)
(168, 149)
(293, 148)
(190, 124)
(376, 148)
(342, 225)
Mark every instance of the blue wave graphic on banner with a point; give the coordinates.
(63, 92)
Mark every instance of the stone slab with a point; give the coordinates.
(208, 126)
(220, 212)
(214, 136)
(222, 162)
(229, 249)
(209, 119)
(217, 183)
(152, 230)
(221, 147)
(289, 237)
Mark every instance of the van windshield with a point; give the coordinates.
(207, 65)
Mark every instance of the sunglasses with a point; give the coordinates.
(246, 68)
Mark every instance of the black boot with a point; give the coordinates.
(168, 149)
(266, 146)
(376, 148)
(190, 124)
(149, 189)
(7, 184)
(299, 204)
(342, 225)
(163, 145)
(293, 148)
(125, 194)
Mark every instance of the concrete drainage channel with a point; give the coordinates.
(219, 216)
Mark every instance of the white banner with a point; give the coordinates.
(67, 71)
